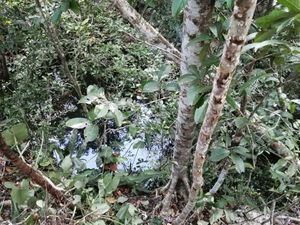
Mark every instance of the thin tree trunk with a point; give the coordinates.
(239, 26)
(52, 33)
(197, 15)
(150, 33)
(35, 175)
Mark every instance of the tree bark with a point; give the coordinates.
(36, 176)
(149, 32)
(197, 15)
(239, 26)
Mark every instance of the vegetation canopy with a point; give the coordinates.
(129, 112)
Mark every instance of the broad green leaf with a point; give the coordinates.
(95, 91)
(151, 86)
(218, 154)
(185, 79)
(199, 38)
(74, 6)
(292, 5)
(122, 213)
(106, 152)
(264, 35)
(139, 144)
(172, 86)
(178, 6)
(200, 112)
(91, 132)
(275, 15)
(262, 44)
(65, 5)
(56, 15)
(66, 164)
(163, 72)
(292, 170)
(230, 215)
(16, 134)
(241, 122)
(78, 123)
(112, 185)
(119, 117)
(100, 208)
(132, 129)
(22, 193)
(122, 199)
(229, 4)
(87, 99)
(241, 150)
(231, 102)
(238, 162)
(101, 111)
(214, 30)
(216, 215)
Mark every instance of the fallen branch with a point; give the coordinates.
(35, 175)
(150, 33)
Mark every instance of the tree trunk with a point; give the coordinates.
(239, 26)
(35, 175)
(149, 32)
(197, 15)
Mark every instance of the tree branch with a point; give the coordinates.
(150, 33)
(35, 175)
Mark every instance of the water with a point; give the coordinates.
(139, 154)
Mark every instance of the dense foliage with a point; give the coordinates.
(116, 108)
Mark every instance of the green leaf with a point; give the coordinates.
(78, 123)
(122, 199)
(185, 79)
(216, 215)
(56, 15)
(151, 86)
(272, 17)
(163, 72)
(214, 30)
(95, 91)
(200, 112)
(110, 183)
(218, 154)
(65, 5)
(21, 194)
(16, 134)
(172, 86)
(74, 6)
(178, 6)
(202, 222)
(231, 102)
(292, 5)
(229, 4)
(199, 38)
(241, 122)
(101, 111)
(238, 162)
(91, 132)
(100, 208)
(122, 213)
(118, 117)
(262, 44)
(139, 144)
(67, 163)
